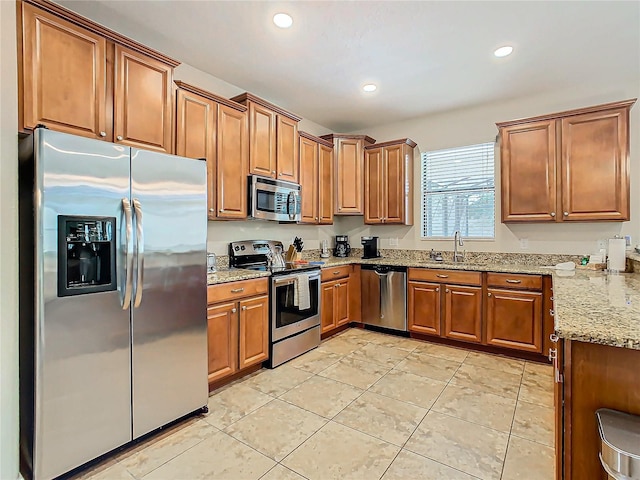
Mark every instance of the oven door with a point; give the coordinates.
(286, 318)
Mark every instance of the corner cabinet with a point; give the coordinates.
(348, 158)
(568, 166)
(238, 327)
(215, 129)
(316, 180)
(79, 77)
(273, 139)
(388, 182)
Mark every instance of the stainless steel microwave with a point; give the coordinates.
(271, 199)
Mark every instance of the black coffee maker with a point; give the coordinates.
(343, 249)
(370, 246)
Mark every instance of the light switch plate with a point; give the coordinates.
(393, 242)
(524, 243)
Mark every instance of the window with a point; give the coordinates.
(458, 192)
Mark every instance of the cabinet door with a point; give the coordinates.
(528, 168)
(342, 302)
(254, 331)
(232, 166)
(309, 180)
(595, 166)
(222, 334)
(514, 319)
(196, 136)
(325, 185)
(374, 186)
(348, 176)
(394, 186)
(262, 141)
(424, 308)
(463, 313)
(63, 76)
(327, 318)
(287, 151)
(142, 101)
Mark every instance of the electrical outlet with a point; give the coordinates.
(524, 243)
(602, 244)
(393, 242)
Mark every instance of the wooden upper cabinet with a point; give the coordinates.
(142, 101)
(309, 180)
(568, 166)
(273, 139)
(325, 184)
(388, 182)
(348, 161)
(287, 151)
(200, 135)
(254, 331)
(63, 75)
(528, 159)
(79, 77)
(262, 140)
(232, 164)
(595, 166)
(316, 180)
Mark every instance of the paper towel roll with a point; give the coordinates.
(617, 261)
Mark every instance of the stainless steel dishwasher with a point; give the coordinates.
(384, 296)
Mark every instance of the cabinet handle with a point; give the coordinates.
(244, 307)
(552, 312)
(337, 273)
(237, 290)
(513, 281)
(554, 338)
(221, 210)
(273, 171)
(336, 285)
(234, 310)
(119, 138)
(437, 289)
(103, 134)
(489, 294)
(439, 275)
(553, 354)
(566, 214)
(553, 214)
(316, 218)
(551, 298)
(446, 291)
(212, 210)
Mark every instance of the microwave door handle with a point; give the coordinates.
(289, 202)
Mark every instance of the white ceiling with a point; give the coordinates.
(425, 56)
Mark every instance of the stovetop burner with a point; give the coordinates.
(256, 255)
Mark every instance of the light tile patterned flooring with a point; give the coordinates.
(363, 405)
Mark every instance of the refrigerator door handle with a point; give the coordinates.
(140, 252)
(128, 264)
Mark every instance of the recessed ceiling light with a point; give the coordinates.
(369, 87)
(503, 51)
(282, 20)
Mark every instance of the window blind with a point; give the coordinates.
(458, 192)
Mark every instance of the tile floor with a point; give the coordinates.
(363, 405)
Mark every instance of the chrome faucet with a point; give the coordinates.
(457, 241)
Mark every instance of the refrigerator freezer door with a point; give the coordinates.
(82, 342)
(169, 314)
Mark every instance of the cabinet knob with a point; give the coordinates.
(212, 210)
(566, 214)
(103, 134)
(316, 218)
(234, 310)
(273, 171)
(446, 291)
(553, 214)
(119, 138)
(489, 294)
(221, 210)
(244, 307)
(336, 285)
(437, 289)
(552, 312)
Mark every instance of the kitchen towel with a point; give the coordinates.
(301, 297)
(617, 261)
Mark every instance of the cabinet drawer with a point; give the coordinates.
(334, 273)
(509, 280)
(445, 276)
(230, 291)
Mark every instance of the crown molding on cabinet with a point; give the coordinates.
(400, 141)
(249, 97)
(313, 138)
(331, 136)
(211, 96)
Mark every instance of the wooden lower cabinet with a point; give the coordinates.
(424, 308)
(237, 328)
(335, 303)
(463, 313)
(514, 319)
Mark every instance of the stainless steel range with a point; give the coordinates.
(294, 315)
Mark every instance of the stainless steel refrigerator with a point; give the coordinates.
(113, 329)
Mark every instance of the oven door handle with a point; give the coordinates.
(291, 280)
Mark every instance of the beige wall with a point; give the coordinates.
(8, 244)
(477, 125)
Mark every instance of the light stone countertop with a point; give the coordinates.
(589, 306)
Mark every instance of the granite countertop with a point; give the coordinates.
(225, 275)
(596, 307)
